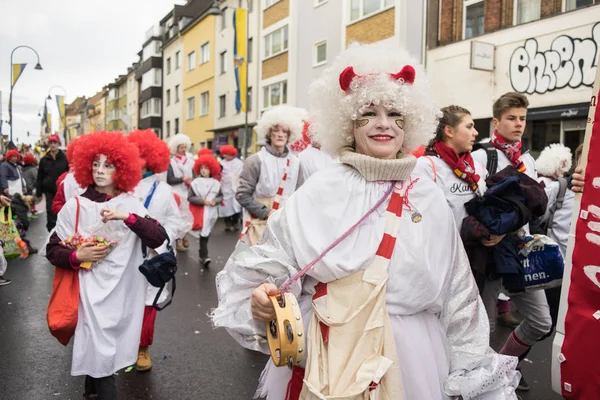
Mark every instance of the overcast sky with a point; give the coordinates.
(83, 45)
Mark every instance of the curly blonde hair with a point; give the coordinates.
(335, 110)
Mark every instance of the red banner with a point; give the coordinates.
(580, 353)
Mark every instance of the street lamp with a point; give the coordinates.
(216, 11)
(12, 84)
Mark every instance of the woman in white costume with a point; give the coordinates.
(112, 291)
(232, 168)
(373, 106)
(269, 169)
(157, 197)
(179, 176)
(206, 192)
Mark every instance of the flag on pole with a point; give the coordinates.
(60, 103)
(240, 57)
(17, 70)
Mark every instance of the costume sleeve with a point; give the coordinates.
(171, 179)
(173, 221)
(476, 371)
(57, 254)
(273, 261)
(247, 186)
(194, 198)
(59, 199)
(40, 177)
(219, 197)
(3, 176)
(149, 230)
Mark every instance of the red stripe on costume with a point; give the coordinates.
(320, 290)
(279, 191)
(295, 384)
(284, 177)
(372, 386)
(324, 332)
(275, 205)
(395, 206)
(245, 230)
(386, 247)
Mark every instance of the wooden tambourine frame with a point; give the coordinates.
(285, 333)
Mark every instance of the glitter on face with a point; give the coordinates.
(361, 122)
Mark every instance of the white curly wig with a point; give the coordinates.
(335, 109)
(554, 161)
(178, 139)
(287, 116)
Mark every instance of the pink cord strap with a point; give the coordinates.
(304, 270)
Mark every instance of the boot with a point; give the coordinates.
(186, 243)
(179, 246)
(508, 319)
(143, 362)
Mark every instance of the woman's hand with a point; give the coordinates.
(209, 202)
(88, 252)
(578, 180)
(261, 305)
(494, 240)
(110, 215)
(5, 201)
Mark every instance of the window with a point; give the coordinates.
(249, 49)
(320, 53)
(276, 42)
(168, 128)
(176, 93)
(157, 77)
(224, 18)
(527, 10)
(191, 106)
(151, 108)
(269, 3)
(249, 99)
(205, 53)
(191, 61)
(176, 127)
(168, 98)
(275, 94)
(204, 103)
(178, 60)
(168, 67)
(152, 77)
(473, 18)
(223, 61)
(575, 4)
(364, 8)
(222, 106)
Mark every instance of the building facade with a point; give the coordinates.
(95, 117)
(545, 49)
(132, 114)
(74, 114)
(173, 75)
(198, 79)
(229, 123)
(149, 77)
(116, 107)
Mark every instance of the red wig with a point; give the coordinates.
(12, 153)
(210, 162)
(29, 159)
(228, 150)
(72, 148)
(124, 155)
(153, 151)
(204, 151)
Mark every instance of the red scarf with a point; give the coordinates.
(511, 150)
(463, 166)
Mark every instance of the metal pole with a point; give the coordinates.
(247, 73)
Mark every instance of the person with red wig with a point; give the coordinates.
(179, 176)
(206, 192)
(11, 180)
(52, 166)
(29, 172)
(231, 169)
(157, 197)
(112, 290)
(205, 151)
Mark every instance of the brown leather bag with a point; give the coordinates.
(64, 301)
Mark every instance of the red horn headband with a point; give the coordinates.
(407, 74)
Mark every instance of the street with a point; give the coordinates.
(190, 359)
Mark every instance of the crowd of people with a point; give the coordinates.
(396, 271)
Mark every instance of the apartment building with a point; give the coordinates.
(149, 77)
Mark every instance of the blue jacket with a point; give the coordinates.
(8, 172)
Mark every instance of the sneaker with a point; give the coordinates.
(4, 281)
(32, 250)
(523, 385)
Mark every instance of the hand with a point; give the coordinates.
(88, 252)
(5, 201)
(261, 305)
(5, 191)
(494, 240)
(110, 215)
(209, 202)
(270, 213)
(578, 180)
(187, 180)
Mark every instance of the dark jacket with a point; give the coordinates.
(8, 172)
(20, 210)
(48, 172)
(511, 201)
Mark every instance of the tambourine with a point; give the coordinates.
(285, 333)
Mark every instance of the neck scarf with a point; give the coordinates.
(463, 166)
(510, 150)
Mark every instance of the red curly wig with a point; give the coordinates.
(123, 154)
(153, 151)
(210, 162)
(204, 151)
(72, 148)
(12, 153)
(228, 150)
(29, 159)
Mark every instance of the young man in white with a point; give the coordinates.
(179, 176)
(229, 208)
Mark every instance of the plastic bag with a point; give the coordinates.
(542, 262)
(3, 263)
(9, 234)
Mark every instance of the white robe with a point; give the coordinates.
(180, 170)
(111, 293)
(438, 320)
(208, 189)
(70, 187)
(561, 224)
(162, 208)
(229, 180)
(312, 160)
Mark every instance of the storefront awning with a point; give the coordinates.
(569, 111)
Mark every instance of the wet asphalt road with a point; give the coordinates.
(190, 359)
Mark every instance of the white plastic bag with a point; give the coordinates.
(3, 263)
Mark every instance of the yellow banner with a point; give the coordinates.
(240, 55)
(60, 103)
(17, 70)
